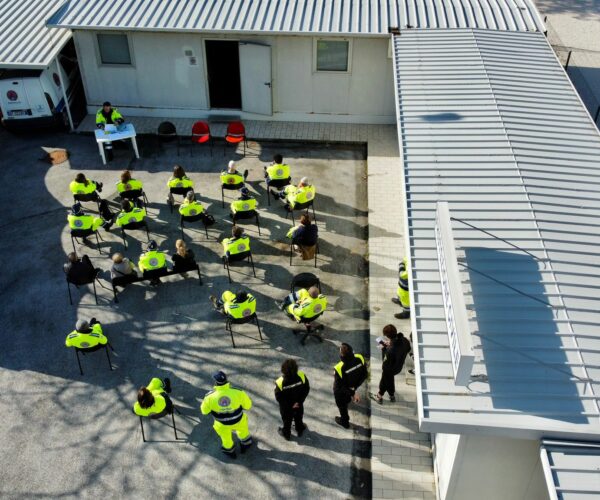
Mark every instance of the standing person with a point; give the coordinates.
(403, 292)
(291, 390)
(107, 115)
(227, 405)
(348, 375)
(395, 350)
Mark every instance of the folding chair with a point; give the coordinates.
(85, 350)
(133, 226)
(201, 135)
(292, 252)
(167, 132)
(192, 218)
(170, 410)
(236, 133)
(307, 280)
(302, 206)
(134, 194)
(84, 233)
(247, 214)
(276, 183)
(238, 257)
(123, 281)
(92, 282)
(229, 187)
(182, 191)
(229, 322)
(83, 198)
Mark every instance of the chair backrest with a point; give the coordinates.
(303, 206)
(246, 214)
(167, 128)
(86, 197)
(86, 280)
(236, 129)
(81, 233)
(131, 194)
(305, 280)
(90, 349)
(193, 218)
(200, 128)
(279, 183)
(233, 187)
(238, 256)
(156, 273)
(135, 225)
(180, 190)
(241, 321)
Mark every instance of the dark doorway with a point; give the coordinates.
(223, 67)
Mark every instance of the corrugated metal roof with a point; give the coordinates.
(489, 122)
(572, 470)
(359, 17)
(25, 40)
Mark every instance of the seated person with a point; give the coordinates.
(128, 183)
(80, 271)
(82, 185)
(303, 304)
(122, 268)
(294, 195)
(153, 263)
(245, 203)
(152, 400)
(179, 183)
(190, 206)
(238, 243)
(305, 234)
(79, 220)
(235, 305)
(232, 176)
(86, 335)
(130, 213)
(277, 170)
(183, 259)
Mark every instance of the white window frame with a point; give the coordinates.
(99, 54)
(332, 39)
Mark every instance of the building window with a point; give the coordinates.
(333, 55)
(114, 49)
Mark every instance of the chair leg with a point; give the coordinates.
(222, 198)
(178, 144)
(268, 194)
(69, 289)
(314, 214)
(258, 223)
(95, 294)
(142, 426)
(205, 230)
(73, 243)
(199, 275)
(258, 326)
(98, 243)
(252, 262)
(146, 202)
(78, 361)
(108, 357)
(147, 230)
(226, 264)
(174, 426)
(291, 252)
(123, 236)
(316, 253)
(292, 214)
(115, 294)
(230, 328)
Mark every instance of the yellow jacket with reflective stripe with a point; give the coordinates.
(233, 179)
(132, 185)
(114, 116)
(243, 205)
(303, 195)
(86, 340)
(134, 215)
(152, 260)
(236, 245)
(307, 307)
(184, 182)
(81, 221)
(226, 404)
(279, 381)
(81, 188)
(156, 388)
(189, 209)
(239, 310)
(278, 171)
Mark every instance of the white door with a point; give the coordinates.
(255, 77)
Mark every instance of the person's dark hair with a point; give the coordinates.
(390, 331)
(241, 296)
(145, 398)
(80, 177)
(126, 205)
(305, 220)
(125, 176)
(237, 231)
(289, 368)
(345, 350)
(72, 257)
(278, 159)
(106, 103)
(178, 172)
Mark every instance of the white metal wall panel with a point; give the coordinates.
(357, 17)
(489, 122)
(25, 41)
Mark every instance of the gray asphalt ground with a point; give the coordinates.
(66, 435)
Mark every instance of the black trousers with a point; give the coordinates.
(342, 401)
(291, 414)
(387, 384)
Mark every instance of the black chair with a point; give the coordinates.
(84, 233)
(123, 281)
(229, 187)
(276, 183)
(83, 198)
(302, 206)
(192, 218)
(91, 281)
(167, 132)
(182, 191)
(169, 410)
(292, 252)
(229, 322)
(134, 226)
(133, 195)
(85, 350)
(247, 214)
(238, 257)
(155, 273)
(307, 280)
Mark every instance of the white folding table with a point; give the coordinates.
(127, 131)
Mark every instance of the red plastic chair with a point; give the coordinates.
(201, 135)
(236, 133)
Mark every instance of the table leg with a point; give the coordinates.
(101, 148)
(135, 148)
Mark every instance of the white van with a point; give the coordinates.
(34, 98)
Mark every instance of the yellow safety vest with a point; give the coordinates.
(135, 215)
(236, 245)
(231, 179)
(241, 310)
(184, 182)
(340, 365)
(278, 171)
(88, 340)
(132, 185)
(226, 404)
(243, 205)
(152, 260)
(114, 116)
(403, 288)
(303, 195)
(81, 188)
(279, 381)
(160, 403)
(188, 209)
(307, 307)
(81, 221)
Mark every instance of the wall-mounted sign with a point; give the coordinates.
(457, 321)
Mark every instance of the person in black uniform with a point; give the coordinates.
(348, 375)
(394, 350)
(291, 390)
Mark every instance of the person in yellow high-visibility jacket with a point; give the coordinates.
(403, 291)
(227, 404)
